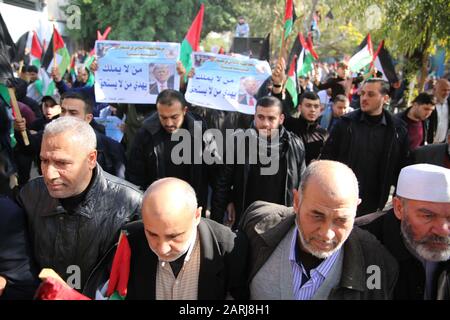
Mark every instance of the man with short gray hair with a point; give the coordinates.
(312, 251)
(417, 232)
(75, 209)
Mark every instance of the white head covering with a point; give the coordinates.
(424, 182)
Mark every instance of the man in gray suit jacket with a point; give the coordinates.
(312, 251)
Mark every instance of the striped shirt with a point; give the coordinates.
(318, 275)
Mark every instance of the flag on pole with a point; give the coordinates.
(36, 51)
(363, 55)
(291, 82)
(120, 271)
(191, 41)
(382, 60)
(307, 56)
(21, 45)
(295, 51)
(56, 51)
(289, 18)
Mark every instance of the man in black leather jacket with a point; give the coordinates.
(242, 182)
(75, 210)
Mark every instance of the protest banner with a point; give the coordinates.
(112, 127)
(225, 82)
(135, 72)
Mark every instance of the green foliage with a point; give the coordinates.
(150, 20)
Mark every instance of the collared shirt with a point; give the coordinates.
(185, 285)
(442, 125)
(318, 275)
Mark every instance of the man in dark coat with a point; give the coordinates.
(18, 274)
(266, 164)
(151, 155)
(373, 143)
(75, 210)
(417, 232)
(312, 251)
(175, 254)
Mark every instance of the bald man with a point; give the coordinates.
(417, 232)
(440, 118)
(177, 255)
(312, 251)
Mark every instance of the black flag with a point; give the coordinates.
(8, 46)
(264, 53)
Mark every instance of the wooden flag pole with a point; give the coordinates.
(17, 113)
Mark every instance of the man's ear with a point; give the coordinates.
(281, 118)
(198, 215)
(92, 159)
(89, 117)
(398, 207)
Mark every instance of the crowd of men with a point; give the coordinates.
(313, 201)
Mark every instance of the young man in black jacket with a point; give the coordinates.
(373, 143)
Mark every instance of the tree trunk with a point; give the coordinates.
(424, 62)
(311, 15)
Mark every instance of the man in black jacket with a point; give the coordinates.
(417, 232)
(75, 210)
(312, 251)
(156, 152)
(18, 274)
(110, 153)
(306, 126)
(373, 143)
(175, 254)
(249, 176)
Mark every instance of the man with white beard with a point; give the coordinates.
(417, 232)
(312, 251)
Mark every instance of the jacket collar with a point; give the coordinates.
(86, 208)
(210, 266)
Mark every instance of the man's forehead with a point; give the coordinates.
(72, 104)
(310, 101)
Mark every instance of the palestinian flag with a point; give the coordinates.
(295, 51)
(36, 51)
(120, 271)
(192, 40)
(264, 53)
(382, 60)
(289, 18)
(56, 51)
(291, 82)
(363, 55)
(307, 57)
(7, 46)
(44, 86)
(72, 70)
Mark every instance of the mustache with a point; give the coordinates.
(435, 239)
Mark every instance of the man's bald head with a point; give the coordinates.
(170, 196)
(325, 206)
(170, 216)
(334, 178)
(442, 90)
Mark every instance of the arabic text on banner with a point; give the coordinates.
(226, 83)
(135, 72)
